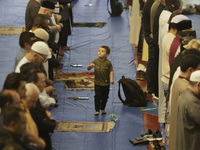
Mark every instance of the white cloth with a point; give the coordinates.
(23, 61)
(56, 34)
(166, 44)
(45, 100)
(135, 23)
(163, 28)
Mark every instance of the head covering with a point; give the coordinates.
(179, 18)
(41, 48)
(48, 4)
(195, 76)
(41, 34)
(193, 44)
(182, 22)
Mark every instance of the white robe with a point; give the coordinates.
(135, 23)
(163, 28)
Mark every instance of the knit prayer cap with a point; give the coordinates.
(195, 76)
(41, 48)
(41, 34)
(182, 22)
(193, 44)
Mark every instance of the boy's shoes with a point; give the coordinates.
(103, 112)
(96, 113)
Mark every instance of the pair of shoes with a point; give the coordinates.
(156, 136)
(103, 112)
(148, 133)
(141, 67)
(141, 72)
(96, 113)
(141, 75)
(139, 141)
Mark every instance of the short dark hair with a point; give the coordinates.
(25, 68)
(188, 61)
(172, 5)
(191, 51)
(33, 41)
(39, 20)
(5, 97)
(106, 48)
(12, 81)
(25, 37)
(11, 114)
(32, 75)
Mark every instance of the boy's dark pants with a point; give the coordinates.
(101, 96)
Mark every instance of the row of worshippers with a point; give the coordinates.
(172, 47)
(30, 127)
(30, 89)
(57, 23)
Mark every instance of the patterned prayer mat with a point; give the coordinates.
(76, 81)
(84, 126)
(11, 30)
(79, 24)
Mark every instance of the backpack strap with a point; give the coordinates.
(107, 8)
(119, 94)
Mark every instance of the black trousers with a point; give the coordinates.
(65, 31)
(101, 96)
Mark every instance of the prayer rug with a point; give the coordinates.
(76, 80)
(85, 24)
(84, 126)
(150, 108)
(11, 30)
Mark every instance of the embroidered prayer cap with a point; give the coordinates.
(182, 22)
(41, 34)
(41, 48)
(193, 44)
(48, 4)
(195, 76)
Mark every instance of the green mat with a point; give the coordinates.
(97, 24)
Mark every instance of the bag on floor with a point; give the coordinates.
(116, 7)
(134, 95)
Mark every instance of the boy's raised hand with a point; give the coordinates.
(89, 67)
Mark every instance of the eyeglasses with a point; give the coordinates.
(44, 59)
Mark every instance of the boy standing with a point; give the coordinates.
(103, 77)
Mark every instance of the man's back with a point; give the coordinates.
(178, 87)
(32, 9)
(7, 137)
(188, 121)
